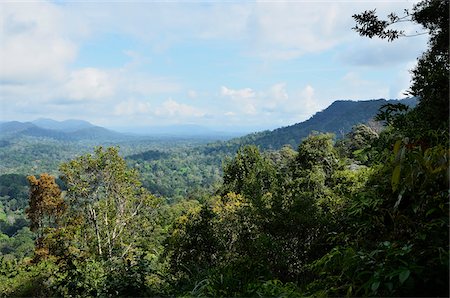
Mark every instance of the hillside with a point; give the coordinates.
(70, 130)
(70, 125)
(338, 118)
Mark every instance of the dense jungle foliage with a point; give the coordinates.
(366, 215)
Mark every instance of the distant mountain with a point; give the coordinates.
(97, 133)
(338, 118)
(69, 130)
(66, 126)
(15, 127)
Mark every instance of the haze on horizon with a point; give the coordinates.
(227, 65)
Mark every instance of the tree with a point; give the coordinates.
(358, 143)
(249, 174)
(395, 238)
(102, 244)
(107, 201)
(46, 204)
(430, 77)
(316, 153)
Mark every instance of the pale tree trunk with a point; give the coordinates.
(97, 232)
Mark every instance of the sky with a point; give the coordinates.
(228, 65)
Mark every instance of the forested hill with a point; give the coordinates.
(338, 118)
(69, 130)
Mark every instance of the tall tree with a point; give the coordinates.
(46, 211)
(46, 205)
(107, 199)
(430, 77)
(395, 241)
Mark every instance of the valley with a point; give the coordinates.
(171, 166)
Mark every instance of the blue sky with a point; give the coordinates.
(227, 65)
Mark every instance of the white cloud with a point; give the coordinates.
(400, 86)
(90, 83)
(273, 102)
(277, 95)
(132, 107)
(171, 108)
(34, 44)
(286, 30)
(238, 94)
(271, 30)
(357, 87)
(300, 105)
(244, 99)
(308, 102)
(380, 53)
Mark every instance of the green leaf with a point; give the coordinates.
(397, 146)
(395, 180)
(349, 291)
(403, 276)
(430, 211)
(375, 285)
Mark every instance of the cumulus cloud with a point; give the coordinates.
(171, 108)
(357, 86)
(244, 99)
(238, 94)
(379, 53)
(273, 102)
(271, 30)
(90, 83)
(301, 104)
(276, 95)
(286, 30)
(308, 102)
(132, 107)
(34, 44)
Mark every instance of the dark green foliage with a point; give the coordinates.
(17, 245)
(14, 186)
(317, 151)
(16, 240)
(178, 173)
(390, 113)
(149, 155)
(250, 175)
(395, 242)
(359, 145)
(265, 225)
(399, 231)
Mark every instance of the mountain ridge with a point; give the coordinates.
(338, 118)
(68, 125)
(69, 130)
